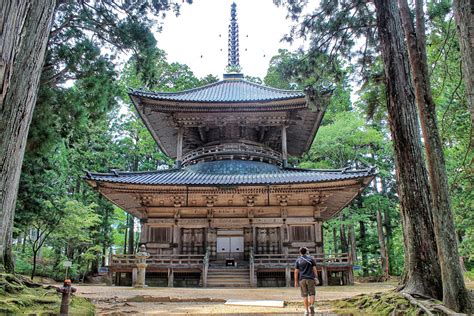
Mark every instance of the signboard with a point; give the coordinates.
(67, 264)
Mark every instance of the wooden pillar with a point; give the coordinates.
(288, 276)
(350, 276)
(134, 276)
(254, 239)
(284, 149)
(179, 147)
(170, 277)
(143, 231)
(324, 275)
(176, 239)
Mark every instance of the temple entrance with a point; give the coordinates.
(230, 246)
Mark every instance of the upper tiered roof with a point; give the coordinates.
(229, 91)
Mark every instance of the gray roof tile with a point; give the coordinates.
(231, 91)
(251, 173)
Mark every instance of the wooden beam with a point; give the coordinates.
(202, 134)
(179, 147)
(284, 148)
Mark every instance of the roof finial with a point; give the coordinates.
(233, 62)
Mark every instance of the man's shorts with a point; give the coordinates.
(307, 287)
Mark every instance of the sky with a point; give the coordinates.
(198, 36)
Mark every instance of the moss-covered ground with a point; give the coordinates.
(391, 303)
(20, 296)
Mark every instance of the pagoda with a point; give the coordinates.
(232, 212)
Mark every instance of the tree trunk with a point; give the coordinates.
(334, 239)
(464, 15)
(343, 236)
(125, 238)
(352, 242)
(33, 270)
(383, 248)
(24, 30)
(388, 227)
(8, 262)
(422, 271)
(23, 243)
(455, 294)
(363, 248)
(131, 235)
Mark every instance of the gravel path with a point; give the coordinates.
(115, 300)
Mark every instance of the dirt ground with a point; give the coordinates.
(115, 300)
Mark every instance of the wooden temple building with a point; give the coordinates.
(232, 212)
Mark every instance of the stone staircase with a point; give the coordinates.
(228, 277)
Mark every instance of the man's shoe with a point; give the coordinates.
(306, 312)
(312, 309)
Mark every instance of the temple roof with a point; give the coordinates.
(234, 172)
(226, 91)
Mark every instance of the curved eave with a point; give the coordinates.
(178, 177)
(229, 92)
(215, 106)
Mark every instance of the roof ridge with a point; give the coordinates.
(179, 92)
(267, 87)
(125, 173)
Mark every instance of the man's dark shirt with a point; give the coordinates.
(305, 266)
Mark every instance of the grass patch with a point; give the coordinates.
(20, 296)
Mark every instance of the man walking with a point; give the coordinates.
(306, 275)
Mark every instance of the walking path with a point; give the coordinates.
(115, 300)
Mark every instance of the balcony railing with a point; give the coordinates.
(284, 260)
(233, 151)
(160, 261)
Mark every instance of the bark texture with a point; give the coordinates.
(383, 247)
(352, 239)
(24, 30)
(131, 235)
(464, 15)
(422, 271)
(455, 295)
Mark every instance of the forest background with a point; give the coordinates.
(84, 120)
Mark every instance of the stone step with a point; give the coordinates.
(216, 282)
(222, 276)
(228, 272)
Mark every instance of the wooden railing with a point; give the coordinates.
(234, 149)
(160, 260)
(283, 260)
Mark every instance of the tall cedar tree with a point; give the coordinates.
(422, 270)
(455, 294)
(27, 33)
(464, 14)
(24, 36)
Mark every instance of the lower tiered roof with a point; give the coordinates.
(233, 172)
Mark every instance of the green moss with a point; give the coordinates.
(18, 297)
(375, 304)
